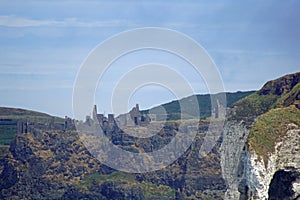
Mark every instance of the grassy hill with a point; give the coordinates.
(204, 104)
(18, 113)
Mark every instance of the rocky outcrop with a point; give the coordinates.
(41, 164)
(281, 85)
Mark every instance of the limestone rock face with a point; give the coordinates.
(235, 136)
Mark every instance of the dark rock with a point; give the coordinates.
(281, 85)
(74, 194)
(37, 167)
(120, 191)
(281, 185)
(8, 177)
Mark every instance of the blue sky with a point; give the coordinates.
(43, 44)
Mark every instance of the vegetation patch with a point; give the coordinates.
(255, 105)
(270, 128)
(150, 190)
(281, 92)
(7, 134)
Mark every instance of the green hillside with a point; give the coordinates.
(204, 104)
(18, 113)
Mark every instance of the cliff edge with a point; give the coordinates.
(261, 143)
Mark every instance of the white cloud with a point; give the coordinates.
(13, 21)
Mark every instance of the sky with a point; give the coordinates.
(44, 43)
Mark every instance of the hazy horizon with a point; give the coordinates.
(140, 105)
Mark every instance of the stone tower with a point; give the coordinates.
(136, 115)
(94, 115)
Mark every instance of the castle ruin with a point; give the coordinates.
(100, 118)
(133, 118)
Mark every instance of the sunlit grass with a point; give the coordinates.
(270, 128)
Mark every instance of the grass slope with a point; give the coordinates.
(270, 128)
(204, 104)
(18, 113)
(281, 92)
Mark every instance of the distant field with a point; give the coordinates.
(8, 130)
(29, 115)
(8, 123)
(7, 133)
